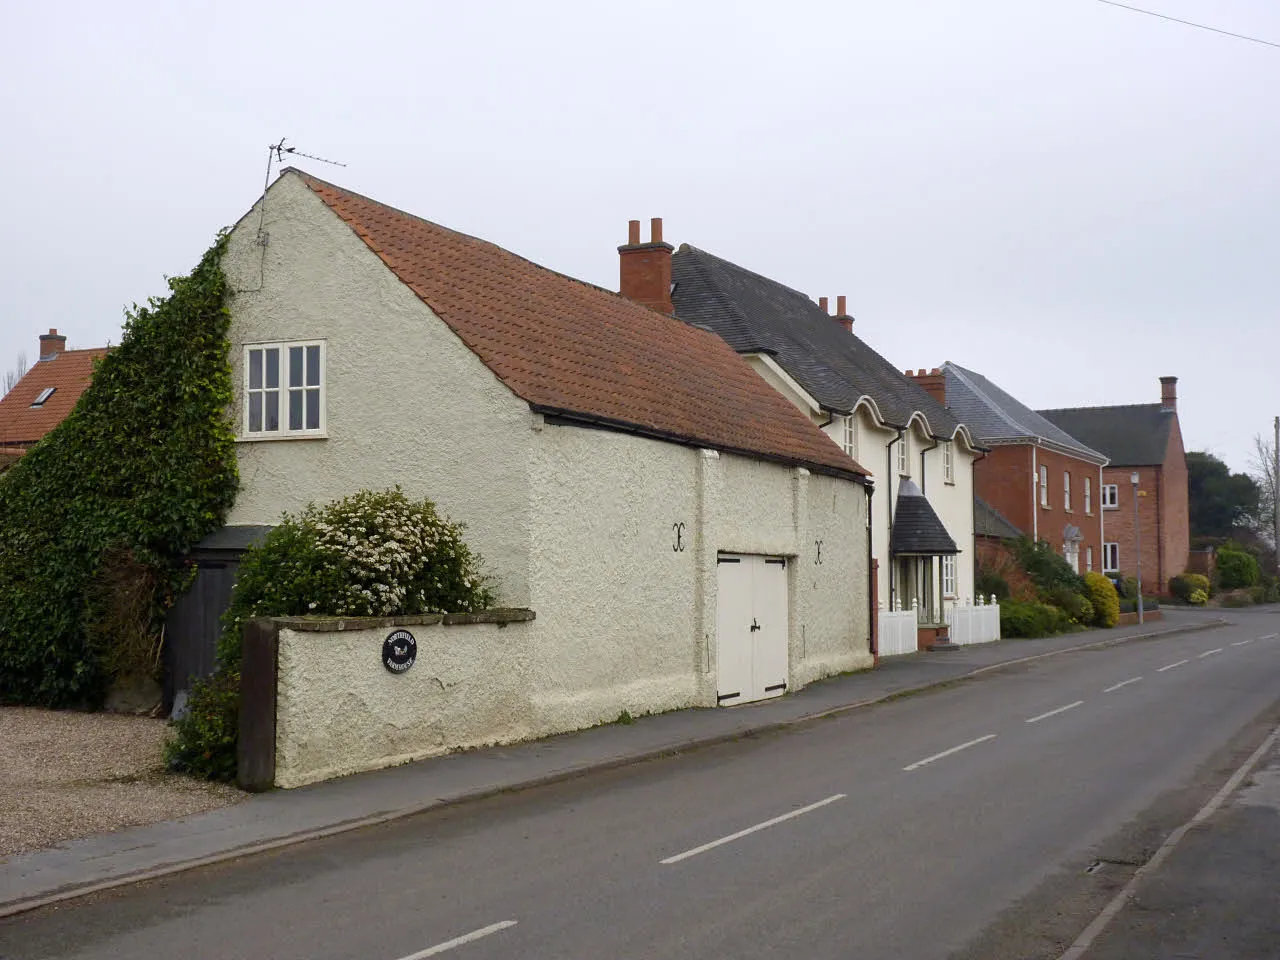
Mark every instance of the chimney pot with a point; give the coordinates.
(51, 344)
(1169, 394)
(822, 302)
(841, 306)
(633, 232)
(644, 269)
(655, 230)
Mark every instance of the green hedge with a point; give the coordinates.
(142, 468)
(1236, 568)
(1018, 619)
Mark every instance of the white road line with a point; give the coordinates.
(1270, 636)
(750, 830)
(1122, 683)
(1172, 665)
(947, 753)
(1209, 653)
(1241, 643)
(1054, 713)
(459, 941)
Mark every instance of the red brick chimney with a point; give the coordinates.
(934, 382)
(645, 268)
(51, 344)
(1169, 394)
(842, 313)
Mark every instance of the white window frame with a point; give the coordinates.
(284, 390)
(1111, 558)
(904, 457)
(1044, 485)
(948, 463)
(1088, 499)
(1066, 489)
(1088, 559)
(1111, 496)
(43, 397)
(851, 436)
(948, 576)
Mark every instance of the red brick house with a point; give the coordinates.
(1142, 441)
(1040, 478)
(45, 395)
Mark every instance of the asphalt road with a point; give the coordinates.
(900, 831)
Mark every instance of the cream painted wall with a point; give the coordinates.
(339, 711)
(407, 402)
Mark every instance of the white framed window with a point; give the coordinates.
(904, 458)
(851, 436)
(948, 463)
(1066, 490)
(1044, 485)
(1110, 496)
(948, 576)
(1088, 557)
(1088, 498)
(44, 396)
(284, 389)
(1111, 558)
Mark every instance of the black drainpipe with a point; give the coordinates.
(872, 600)
(888, 453)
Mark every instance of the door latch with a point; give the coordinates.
(754, 626)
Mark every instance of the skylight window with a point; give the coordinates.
(45, 394)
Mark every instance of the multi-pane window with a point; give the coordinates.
(1110, 558)
(1088, 559)
(903, 458)
(284, 389)
(948, 576)
(1066, 490)
(851, 436)
(1110, 496)
(1088, 497)
(1044, 486)
(948, 462)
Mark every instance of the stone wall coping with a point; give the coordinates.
(499, 615)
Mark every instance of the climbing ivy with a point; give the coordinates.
(145, 464)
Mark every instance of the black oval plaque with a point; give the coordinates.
(399, 651)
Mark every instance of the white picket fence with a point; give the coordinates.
(897, 632)
(979, 623)
(974, 624)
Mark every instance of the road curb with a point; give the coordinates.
(75, 891)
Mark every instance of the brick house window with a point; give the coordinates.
(1088, 558)
(1111, 558)
(1088, 498)
(1044, 486)
(1110, 496)
(948, 576)
(904, 460)
(948, 463)
(1066, 490)
(850, 443)
(284, 389)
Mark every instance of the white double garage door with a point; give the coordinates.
(751, 628)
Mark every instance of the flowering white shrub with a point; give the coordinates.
(372, 554)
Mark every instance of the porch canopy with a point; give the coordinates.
(918, 536)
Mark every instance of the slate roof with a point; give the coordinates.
(575, 350)
(916, 528)
(1131, 436)
(757, 315)
(68, 373)
(995, 416)
(990, 522)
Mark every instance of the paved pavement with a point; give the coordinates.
(283, 818)
(897, 831)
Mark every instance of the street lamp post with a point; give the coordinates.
(1137, 533)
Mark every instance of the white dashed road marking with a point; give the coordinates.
(947, 753)
(1209, 653)
(1241, 643)
(1054, 713)
(1172, 665)
(1122, 683)
(459, 941)
(750, 830)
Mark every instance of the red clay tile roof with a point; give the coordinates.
(69, 371)
(576, 350)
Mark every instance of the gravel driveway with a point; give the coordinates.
(65, 774)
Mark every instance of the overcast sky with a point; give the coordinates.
(1070, 198)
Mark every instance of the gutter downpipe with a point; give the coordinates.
(888, 455)
(973, 517)
(924, 492)
(1035, 493)
(873, 602)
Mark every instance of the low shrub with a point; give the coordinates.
(1106, 602)
(1075, 605)
(1185, 585)
(988, 582)
(1236, 568)
(1046, 568)
(1026, 620)
(204, 744)
(1130, 604)
(1198, 597)
(1258, 594)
